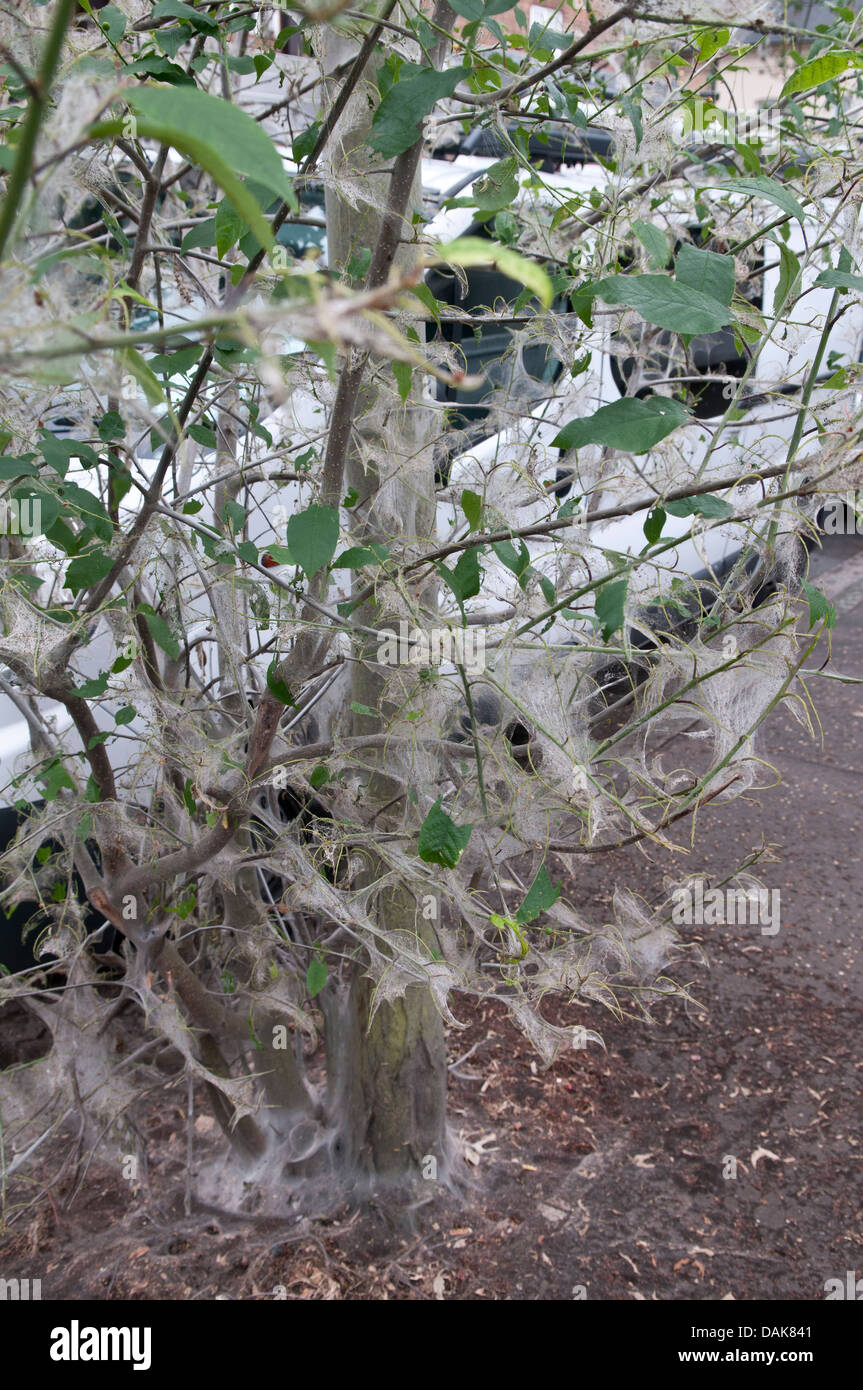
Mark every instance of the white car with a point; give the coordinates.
(518, 468)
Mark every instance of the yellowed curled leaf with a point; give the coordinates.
(474, 250)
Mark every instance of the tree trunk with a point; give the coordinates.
(399, 1119)
(387, 1079)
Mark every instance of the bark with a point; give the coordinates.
(394, 1100)
(388, 1078)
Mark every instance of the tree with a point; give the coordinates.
(313, 808)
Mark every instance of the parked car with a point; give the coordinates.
(511, 459)
(642, 362)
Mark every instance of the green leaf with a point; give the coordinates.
(480, 9)
(112, 21)
(464, 579)
(403, 373)
(316, 976)
(354, 558)
(305, 459)
(120, 481)
(160, 632)
(319, 776)
(541, 895)
(234, 516)
(111, 426)
(703, 504)
(241, 141)
(204, 435)
(632, 111)
(312, 537)
(396, 124)
(518, 561)
(471, 505)
(762, 187)
(92, 689)
(229, 227)
(427, 299)
(176, 9)
(789, 272)
(173, 363)
(89, 508)
(441, 841)
(818, 606)
(276, 685)
(305, 142)
(705, 271)
(653, 524)
(17, 468)
(498, 187)
(473, 250)
(58, 453)
(260, 607)
(654, 242)
(840, 280)
(204, 234)
(125, 715)
(133, 363)
(54, 779)
(357, 267)
(86, 570)
(243, 64)
(821, 69)
(581, 300)
(630, 424)
(39, 508)
(665, 302)
(609, 604)
(153, 65)
(221, 138)
(709, 42)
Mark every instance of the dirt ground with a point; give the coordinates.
(609, 1176)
